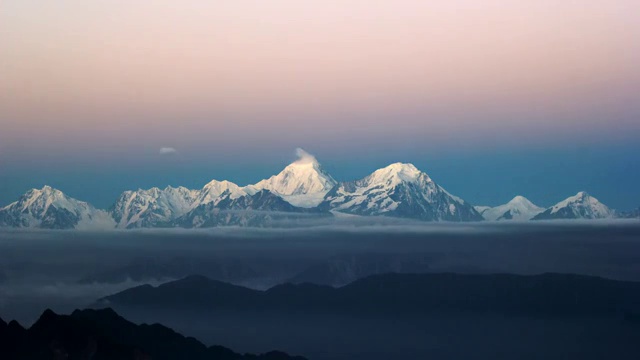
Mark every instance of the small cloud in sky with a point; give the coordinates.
(304, 157)
(167, 151)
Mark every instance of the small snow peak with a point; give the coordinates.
(397, 172)
(399, 166)
(519, 200)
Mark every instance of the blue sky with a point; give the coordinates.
(545, 176)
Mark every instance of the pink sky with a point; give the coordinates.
(160, 73)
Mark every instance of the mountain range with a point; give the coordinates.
(404, 316)
(301, 191)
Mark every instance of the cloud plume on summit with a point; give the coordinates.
(304, 157)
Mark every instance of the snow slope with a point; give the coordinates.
(48, 208)
(519, 209)
(579, 206)
(303, 183)
(399, 190)
(153, 207)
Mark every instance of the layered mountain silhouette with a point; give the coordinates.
(546, 294)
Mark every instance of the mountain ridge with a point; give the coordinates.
(302, 189)
(103, 334)
(548, 293)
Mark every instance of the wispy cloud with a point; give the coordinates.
(167, 151)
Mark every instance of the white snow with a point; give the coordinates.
(34, 206)
(584, 205)
(520, 208)
(302, 183)
(379, 193)
(161, 205)
(397, 173)
(212, 191)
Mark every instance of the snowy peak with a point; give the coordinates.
(520, 200)
(399, 190)
(519, 208)
(304, 176)
(36, 202)
(580, 206)
(212, 191)
(263, 208)
(52, 209)
(152, 207)
(302, 183)
(397, 173)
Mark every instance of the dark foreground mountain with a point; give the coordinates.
(406, 316)
(103, 334)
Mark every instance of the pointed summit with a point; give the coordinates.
(49, 208)
(519, 209)
(397, 173)
(580, 206)
(399, 190)
(215, 188)
(302, 183)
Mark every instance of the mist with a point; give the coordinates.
(64, 270)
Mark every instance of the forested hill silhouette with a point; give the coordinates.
(103, 334)
(545, 294)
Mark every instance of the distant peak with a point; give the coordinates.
(220, 185)
(46, 191)
(399, 171)
(220, 182)
(304, 178)
(519, 199)
(580, 196)
(399, 166)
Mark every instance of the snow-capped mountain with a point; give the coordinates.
(260, 209)
(301, 191)
(48, 208)
(303, 183)
(579, 206)
(214, 189)
(519, 209)
(153, 207)
(399, 190)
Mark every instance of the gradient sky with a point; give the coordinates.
(492, 98)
